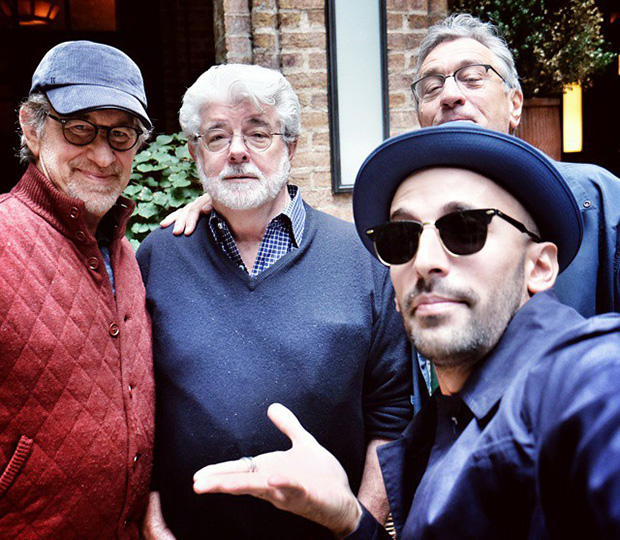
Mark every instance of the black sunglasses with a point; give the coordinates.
(462, 233)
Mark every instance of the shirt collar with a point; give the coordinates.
(294, 213)
(489, 380)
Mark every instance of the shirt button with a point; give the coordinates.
(93, 263)
(587, 204)
(130, 388)
(80, 235)
(114, 330)
(136, 457)
(74, 213)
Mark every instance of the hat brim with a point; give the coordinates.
(522, 170)
(85, 97)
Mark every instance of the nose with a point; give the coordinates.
(451, 95)
(431, 257)
(238, 151)
(100, 152)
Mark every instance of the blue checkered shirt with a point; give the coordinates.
(283, 234)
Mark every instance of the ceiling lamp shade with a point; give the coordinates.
(30, 12)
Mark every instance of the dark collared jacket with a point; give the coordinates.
(530, 448)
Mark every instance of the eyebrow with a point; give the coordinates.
(452, 206)
(462, 64)
(255, 121)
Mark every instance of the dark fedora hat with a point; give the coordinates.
(519, 168)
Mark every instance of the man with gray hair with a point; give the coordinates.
(465, 71)
(76, 382)
(259, 305)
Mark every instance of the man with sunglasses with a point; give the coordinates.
(76, 383)
(268, 300)
(522, 439)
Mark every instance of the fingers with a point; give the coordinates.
(227, 467)
(288, 424)
(169, 219)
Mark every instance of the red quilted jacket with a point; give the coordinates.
(76, 381)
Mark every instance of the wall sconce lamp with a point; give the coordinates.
(572, 119)
(30, 12)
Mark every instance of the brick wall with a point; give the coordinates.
(290, 35)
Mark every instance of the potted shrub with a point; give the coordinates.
(164, 178)
(555, 43)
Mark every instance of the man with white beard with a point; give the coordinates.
(259, 305)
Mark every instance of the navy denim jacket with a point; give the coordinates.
(591, 283)
(530, 448)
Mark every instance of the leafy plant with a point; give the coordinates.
(555, 42)
(164, 178)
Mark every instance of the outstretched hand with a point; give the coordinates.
(186, 218)
(306, 480)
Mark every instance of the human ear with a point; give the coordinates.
(191, 146)
(541, 269)
(397, 305)
(292, 147)
(516, 108)
(29, 132)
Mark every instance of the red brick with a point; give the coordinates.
(406, 5)
(418, 22)
(297, 40)
(396, 60)
(264, 4)
(293, 59)
(319, 100)
(264, 40)
(308, 80)
(264, 19)
(316, 17)
(397, 100)
(314, 119)
(311, 159)
(291, 18)
(318, 60)
(302, 4)
(236, 6)
(395, 21)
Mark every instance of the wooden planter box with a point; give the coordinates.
(541, 125)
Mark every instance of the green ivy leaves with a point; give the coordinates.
(164, 178)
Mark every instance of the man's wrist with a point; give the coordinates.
(352, 519)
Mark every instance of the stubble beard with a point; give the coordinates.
(97, 198)
(450, 347)
(247, 195)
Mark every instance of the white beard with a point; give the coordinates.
(247, 195)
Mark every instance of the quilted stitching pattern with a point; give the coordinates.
(65, 383)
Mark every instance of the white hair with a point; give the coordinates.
(234, 83)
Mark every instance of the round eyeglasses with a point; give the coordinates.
(81, 132)
(217, 140)
(461, 233)
(472, 77)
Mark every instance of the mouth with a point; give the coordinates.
(240, 177)
(431, 305)
(456, 119)
(99, 177)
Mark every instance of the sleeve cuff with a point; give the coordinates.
(368, 528)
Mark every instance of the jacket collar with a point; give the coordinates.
(403, 461)
(65, 213)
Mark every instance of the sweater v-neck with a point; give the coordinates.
(220, 260)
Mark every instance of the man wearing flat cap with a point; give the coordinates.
(76, 383)
(522, 438)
